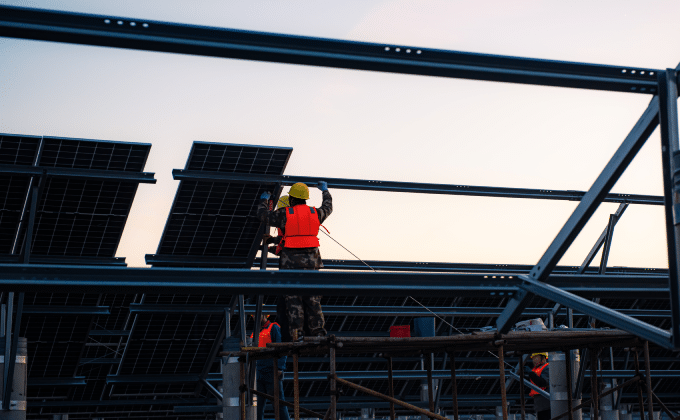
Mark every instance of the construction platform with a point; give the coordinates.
(518, 343)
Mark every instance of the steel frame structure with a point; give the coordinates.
(543, 279)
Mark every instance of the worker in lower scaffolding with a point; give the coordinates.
(270, 332)
(540, 376)
(300, 225)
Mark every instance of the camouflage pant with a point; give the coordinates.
(301, 308)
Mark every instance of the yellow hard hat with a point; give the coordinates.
(540, 354)
(299, 190)
(283, 202)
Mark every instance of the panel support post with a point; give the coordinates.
(569, 371)
(648, 381)
(593, 383)
(670, 156)
(10, 361)
(390, 382)
(430, 395)
(454, 386)
(277, 403)
(334, 395)
(242, 389)
(521, 386)
(587, 206)
(639, 387)
(296, 388)
(501, 366)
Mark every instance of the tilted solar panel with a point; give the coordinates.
(87, 189)
(216, 219)
(14, 150)
(84, 217)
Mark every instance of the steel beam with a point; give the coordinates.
(66, 310)
(592, 199)
(56, 279)
(380, 311)
(670, 156)
(75, 381)
(421, 266)
(100, 175)
(597, 311)
(409, 187)
(64, 260)
(142, 34)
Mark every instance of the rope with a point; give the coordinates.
(410, 297)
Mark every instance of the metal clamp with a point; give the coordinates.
(16, 405)
(19, 359)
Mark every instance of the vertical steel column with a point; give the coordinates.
(648, 380)
(454, 386)
(501, 365)
(641, 402)
(334, 395)
(593, 383)
(521, 385)
(670, 154)
(242, 394)
(570, 396)
(430, 396)
(296, 388)
(390, 382)
(8, 347)
(277, 404)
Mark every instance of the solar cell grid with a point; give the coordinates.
(217, 218)
(93, 154)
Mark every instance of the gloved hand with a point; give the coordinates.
(323, 186)
(265, 195)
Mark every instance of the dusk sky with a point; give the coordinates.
(369, 125)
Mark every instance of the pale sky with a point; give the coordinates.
(353, 124)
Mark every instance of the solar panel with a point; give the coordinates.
(83, 204)
(22, 151)
(84, 217)
(216, 219)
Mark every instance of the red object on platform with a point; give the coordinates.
(400, 331)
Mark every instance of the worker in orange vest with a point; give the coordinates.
(540, 376)
(300, 224)
(270, 332)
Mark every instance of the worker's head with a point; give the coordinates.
(539, 359)
(283, 202)
(299, 190)
(266, 318)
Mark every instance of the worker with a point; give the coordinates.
(540, 376)
(300, 224)
(270, 332)
(278, 239)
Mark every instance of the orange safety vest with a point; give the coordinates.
(266, 334)
(302, 227)
(538, 371)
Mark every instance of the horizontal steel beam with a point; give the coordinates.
(387, 311)
(129, 402)
(475, 374)
(66, 310)
(56, 279)
(63, 259)
(75, 381)
(409, 187)
(142, 34)
(406, 375)
(96, 174)
(617, 319)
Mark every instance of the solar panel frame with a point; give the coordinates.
(204, 216)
